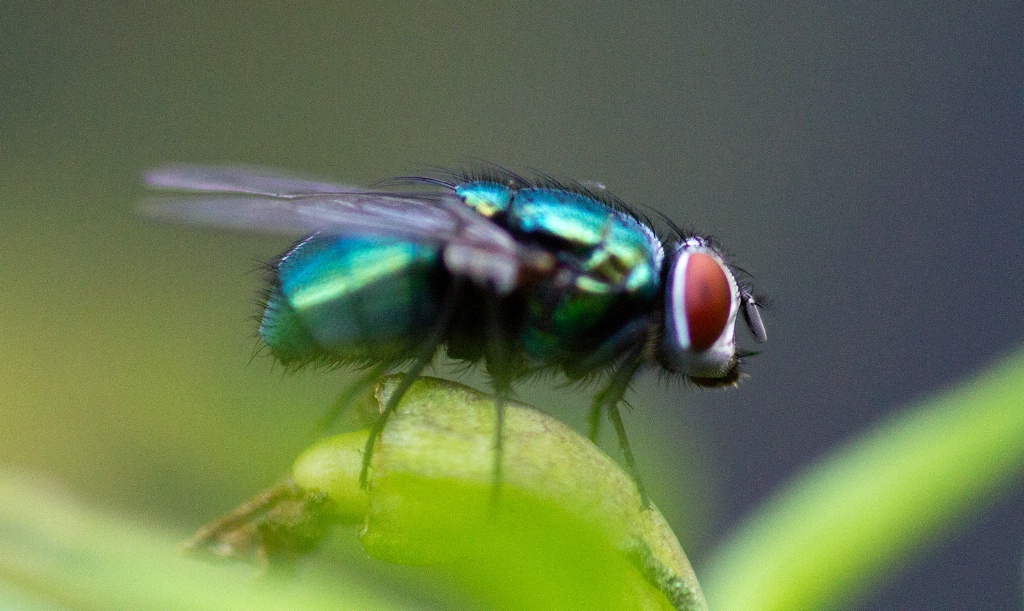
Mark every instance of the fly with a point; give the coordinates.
(522, 275)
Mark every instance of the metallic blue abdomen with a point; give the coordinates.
(353, 297)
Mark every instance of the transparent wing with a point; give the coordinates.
(238, 179)
(264, 200)
(269, 202)
(338, 213)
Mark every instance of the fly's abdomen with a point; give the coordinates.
(352, 297)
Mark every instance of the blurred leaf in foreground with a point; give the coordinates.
(57, 554)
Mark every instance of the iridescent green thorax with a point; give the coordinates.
(486, 197)
(615, 247)
(611, 263)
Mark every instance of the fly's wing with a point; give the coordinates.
(236, 198)
(238, 179)
(252, 199)
(333, 213)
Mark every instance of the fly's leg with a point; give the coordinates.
(501, 397)
(594, 418)
(423, 356)
(408, 378)
(611, 396)
(624, 340)
(499, 367)
(627, 452)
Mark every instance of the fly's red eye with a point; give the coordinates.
(708, 300)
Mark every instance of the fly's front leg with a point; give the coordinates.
(628, 339)
(611, 396)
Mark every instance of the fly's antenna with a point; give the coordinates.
(752, 316)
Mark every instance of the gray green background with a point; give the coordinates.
(863, 160)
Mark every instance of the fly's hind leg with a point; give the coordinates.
(424, 354)
(502, 392)
(408, 378)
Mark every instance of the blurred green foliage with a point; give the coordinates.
(835, 531)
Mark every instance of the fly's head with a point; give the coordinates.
(702, 302)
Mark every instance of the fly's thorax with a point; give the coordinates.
(487, 197)
(702, 299)
(608, 272)
(610, 246)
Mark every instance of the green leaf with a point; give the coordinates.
(568, 532)
(835, 531)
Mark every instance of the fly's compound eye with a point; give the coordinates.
(702, 301)
(708, 300)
